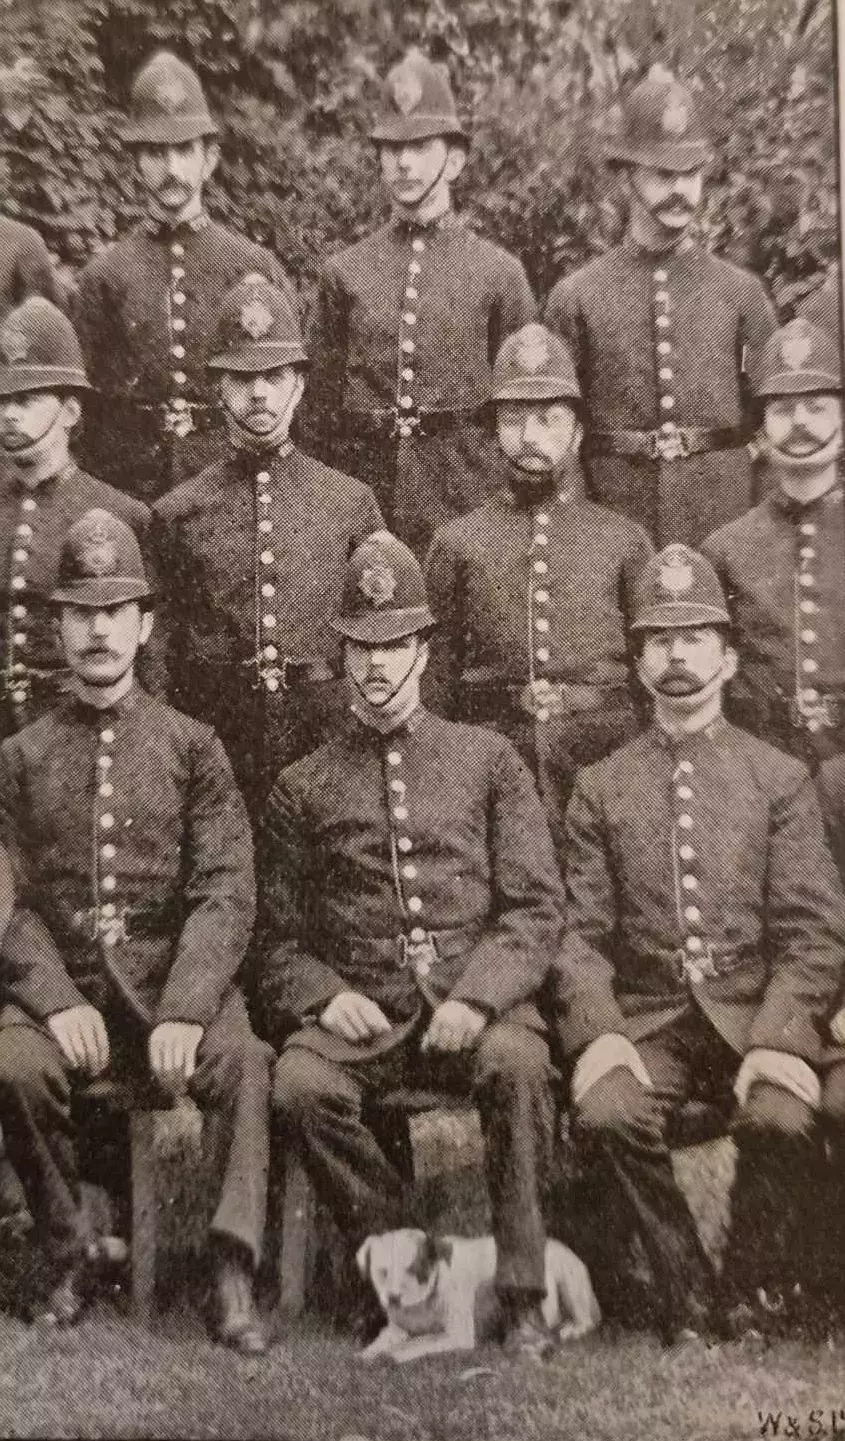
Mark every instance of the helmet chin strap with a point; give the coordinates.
(39, 445)
(246, 439)
(400, 703)
(409, 210)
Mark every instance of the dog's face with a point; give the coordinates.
(402, 1267)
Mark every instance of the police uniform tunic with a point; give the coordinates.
(134, 862)
(659, 346)
(25, 267)
(254, 554)
(413, 867)
(34, 520)
(783, 570)
(532, 598)
(705, 920)
(402, 337)
(145, 313)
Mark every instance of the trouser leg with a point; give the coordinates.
(233, 1078)
(827, 1228)
(40, 1135)
(511, 1086)
(317, 1105)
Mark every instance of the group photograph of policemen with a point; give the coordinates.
(425, 687)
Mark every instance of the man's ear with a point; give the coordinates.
(362, 1258)
(731, 663)
(147, 623)
(423, 652)
(455, 162)
(72, 411)
(212, 157)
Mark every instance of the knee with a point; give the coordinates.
(229, 1065)
(618, 1108)
(299, 1086)
(26, 1064)
(511, 1058)
(770, 1112)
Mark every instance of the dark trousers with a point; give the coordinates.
(318, 1104)
(40, 1121)
(628, 1188)
(825, 1204)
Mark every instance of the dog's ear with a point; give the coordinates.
(443, 1249)
(362, 1258)
(425, 1259)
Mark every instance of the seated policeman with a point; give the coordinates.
(136, 889)
(411, 906)
(703, 951)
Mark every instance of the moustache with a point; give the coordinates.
(677, 680)
(800, 436)
(99, 652)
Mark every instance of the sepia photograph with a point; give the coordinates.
(422, 720)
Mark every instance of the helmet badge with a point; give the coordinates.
(378, 584)
(796, 349)
(406, 89)
(676, 116)
(171, 94)
(99, 552)
(532, 352)
(256, 319)
(14, 345)
(676, 574)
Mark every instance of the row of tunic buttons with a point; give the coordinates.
(407, 345)
(540, 599)
(407, 869)
(689, 910)
(178, 323)
(106, 848)
(663, 346)
(21, 552)
(269, 621)
(806, 635)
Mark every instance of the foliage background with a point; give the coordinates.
(295, 83)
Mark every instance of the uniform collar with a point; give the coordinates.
(797, 510)
(407, 227)
(91, 715)
(249, 461)
(660, 258)
(683, 744)
(160, 230)
(368, 733)
(65, 472)
(565, 485)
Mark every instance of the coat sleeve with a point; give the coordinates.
(368, 516)
(583, 972)
(291, 981)
(326, 343)
(446, 597)
(758, 321)
(514, 308)
(33, 974)
(218, 890)
(831, 787)
(35, 274)
(511, 960)
(562, 314)
(805, 926)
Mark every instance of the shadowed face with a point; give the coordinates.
(29, 418)
(100, 643)
(174, 175)
(264, 401)
(536, 435)
(684, 663)
(378, 671)
(670, 197)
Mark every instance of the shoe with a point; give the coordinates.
(760, 1317)
(691, 1326)
(527, 1337)
(238, 1323)
(66, 1301)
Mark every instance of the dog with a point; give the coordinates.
(438, 1294)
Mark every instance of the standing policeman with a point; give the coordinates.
(147, 305)
(659, 330)
(408, 321)
(42, 492)
(783, 564)
(256, 547)
(535, 586)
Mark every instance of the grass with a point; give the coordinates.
(108, 1378)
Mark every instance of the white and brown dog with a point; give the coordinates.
(438, 1295)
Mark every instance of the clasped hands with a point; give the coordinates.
(81, 1035)
(355, 1018)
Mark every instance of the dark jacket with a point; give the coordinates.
(766, 899)
(177, 894)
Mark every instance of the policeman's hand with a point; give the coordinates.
(837, 1027)
(173, 1053)
(354, 1018)
(453, 1027)
(82, 1038)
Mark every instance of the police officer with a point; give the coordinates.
(535, 586)
(147, 305)
(408, 320)
(412, 905)
(256, 547)
(782, 563)
(659, 330)
(42, 492)
(704, 948)
(136, 891)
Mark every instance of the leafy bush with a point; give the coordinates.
(295, 83)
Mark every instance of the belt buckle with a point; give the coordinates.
(539, 695)
(178, 422)
(669, 445)
(813, 715)
(699, 967)
(405, 422)
(420, 955)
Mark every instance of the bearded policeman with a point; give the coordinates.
(660, 330)
(704, 948)
(147, 304)
(782, 564)
(411, 909)
(535, 587)
(136, 892)
(256, 548)
(407, 323)
(42, 491)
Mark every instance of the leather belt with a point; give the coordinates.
(562, 697)
(402, 951)
(677, 444)
(128, 923)
(289, 672)
(385, 424)
(826, 713)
